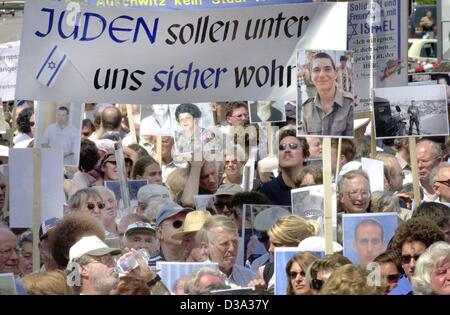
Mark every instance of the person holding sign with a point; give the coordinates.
(330, 112)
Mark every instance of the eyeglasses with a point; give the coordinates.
(355, 193)
(292, 146)
(428, 161)
(317, 284)
(444, 182)
(108, 259)
(294, 274)
(9, 251)
(176, 224)
(91, 205)
(406, 259)
(393, 278)
(112, 162)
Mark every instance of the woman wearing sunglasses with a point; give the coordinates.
(87, 200)
(390, 269)
(320, 270)
(296, 273)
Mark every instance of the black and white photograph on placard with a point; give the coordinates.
(325, 93)
(267, 111)
(155, 120)
(59, 127)
(411, 111)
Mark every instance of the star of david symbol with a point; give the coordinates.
(51, 65)
(354, 32)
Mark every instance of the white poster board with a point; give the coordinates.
(9, 59)
(21, 186)
(380, 26)
(375, 171)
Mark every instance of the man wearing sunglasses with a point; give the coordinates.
(170, 220)
(292, 156)
(411, 239)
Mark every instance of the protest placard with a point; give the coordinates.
(21, 191)
(215, 72)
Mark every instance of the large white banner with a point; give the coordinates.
(139, 56)
(9, 58)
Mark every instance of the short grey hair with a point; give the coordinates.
(436, 148)
(433, 257)
(350, 175)
(192, 284)
(435, 171)
(217, 221)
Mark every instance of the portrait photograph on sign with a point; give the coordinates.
(155, 120)
(58, 126)
(193, 129)
(325, 93)
(266, 111)
(366, 235)
(411, 111)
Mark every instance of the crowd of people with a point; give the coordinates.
(98, 246)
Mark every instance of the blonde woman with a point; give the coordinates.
(350, 280)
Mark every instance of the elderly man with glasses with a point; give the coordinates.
(292, 155)
(429, 155)
(9, 255)
(354, 192)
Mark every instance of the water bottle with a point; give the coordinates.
(127, 264)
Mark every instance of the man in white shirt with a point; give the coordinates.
(62, 136)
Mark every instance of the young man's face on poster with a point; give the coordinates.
(368, 242)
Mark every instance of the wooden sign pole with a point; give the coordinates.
(270, 140)
(131, 123)
(159, 149)
(373, 141)
(414, 169)
(338, 159)
(36, 206)
(327, 196)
